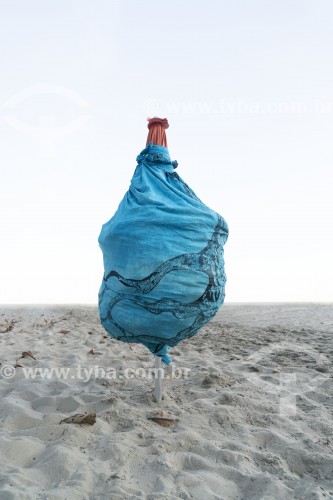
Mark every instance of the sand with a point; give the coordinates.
(251, 415)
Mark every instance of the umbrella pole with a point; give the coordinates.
(158, 379)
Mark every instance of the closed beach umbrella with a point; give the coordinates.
(163, 256)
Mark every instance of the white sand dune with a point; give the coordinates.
(253, 419)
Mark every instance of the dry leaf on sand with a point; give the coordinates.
(163, 421)
(79, 418)
(8, 325)
(27, 354)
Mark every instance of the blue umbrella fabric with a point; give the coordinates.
(164, 276)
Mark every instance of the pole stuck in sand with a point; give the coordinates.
(158, 379)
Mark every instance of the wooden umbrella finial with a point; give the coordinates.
(156, 134)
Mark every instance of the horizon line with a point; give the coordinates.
(91, 304)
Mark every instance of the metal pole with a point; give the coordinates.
(158, 379)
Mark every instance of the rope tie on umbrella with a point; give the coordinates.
(153, 154)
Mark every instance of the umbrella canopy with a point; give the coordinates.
(163, 255)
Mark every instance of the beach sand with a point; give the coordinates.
(251, 415)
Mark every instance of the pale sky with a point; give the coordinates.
(247, 87)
